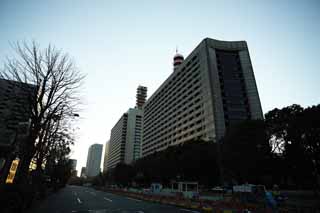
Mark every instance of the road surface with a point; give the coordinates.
(78, 199)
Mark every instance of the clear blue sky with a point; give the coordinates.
(121, 44)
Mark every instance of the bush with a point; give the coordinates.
(16, 198)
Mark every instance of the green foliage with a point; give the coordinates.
(283, 149)
(192, 161)
(246, 152)
(59, 172)
(296, 131)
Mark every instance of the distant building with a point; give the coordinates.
(83, 172)
(126, 135)
(73, 163)
(74, 173)
(94, 160)
(209, 91)
(106, 154)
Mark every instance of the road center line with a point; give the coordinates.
(133, 199)
(187, 210)
(79, 201)
(107, 199)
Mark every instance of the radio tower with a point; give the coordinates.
(177, 60)
(141, 96)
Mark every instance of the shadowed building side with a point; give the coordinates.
(16, 100)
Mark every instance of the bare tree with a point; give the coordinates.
(57, 94)
(56, 139)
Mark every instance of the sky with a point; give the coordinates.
(122, 44)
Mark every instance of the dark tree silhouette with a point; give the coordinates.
(57, 82)
(246, 152)
(296, 130)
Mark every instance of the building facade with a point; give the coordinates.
(117, 142)
(134, 135)
(211, 90)
(83, 172)
(125, 139)
(15, 108)
(73, 163)
(126, 135)
(94, 160)
(106, 154)
(16, 101)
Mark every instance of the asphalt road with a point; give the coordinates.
(77, 199)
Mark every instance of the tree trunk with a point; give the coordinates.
(27, 151)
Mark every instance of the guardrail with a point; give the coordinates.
(229, 205)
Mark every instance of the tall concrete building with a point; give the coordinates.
(94, 160)
(106, 154)
(73, 163)
(126, 135)
(83, 172)
(15, 108)
(212, 89)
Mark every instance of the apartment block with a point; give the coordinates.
(94, 160)
(126, 135)
(209, 91)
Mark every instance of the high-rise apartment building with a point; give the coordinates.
(125, 139)
(94, 160)
(15, 108)
(212, 89)
(126, 135)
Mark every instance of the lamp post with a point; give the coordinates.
(10, 163)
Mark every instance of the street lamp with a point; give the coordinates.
(8, 165)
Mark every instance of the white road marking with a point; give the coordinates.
(187, 210)
(107, 199)
(79, 201)
(133, 199)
